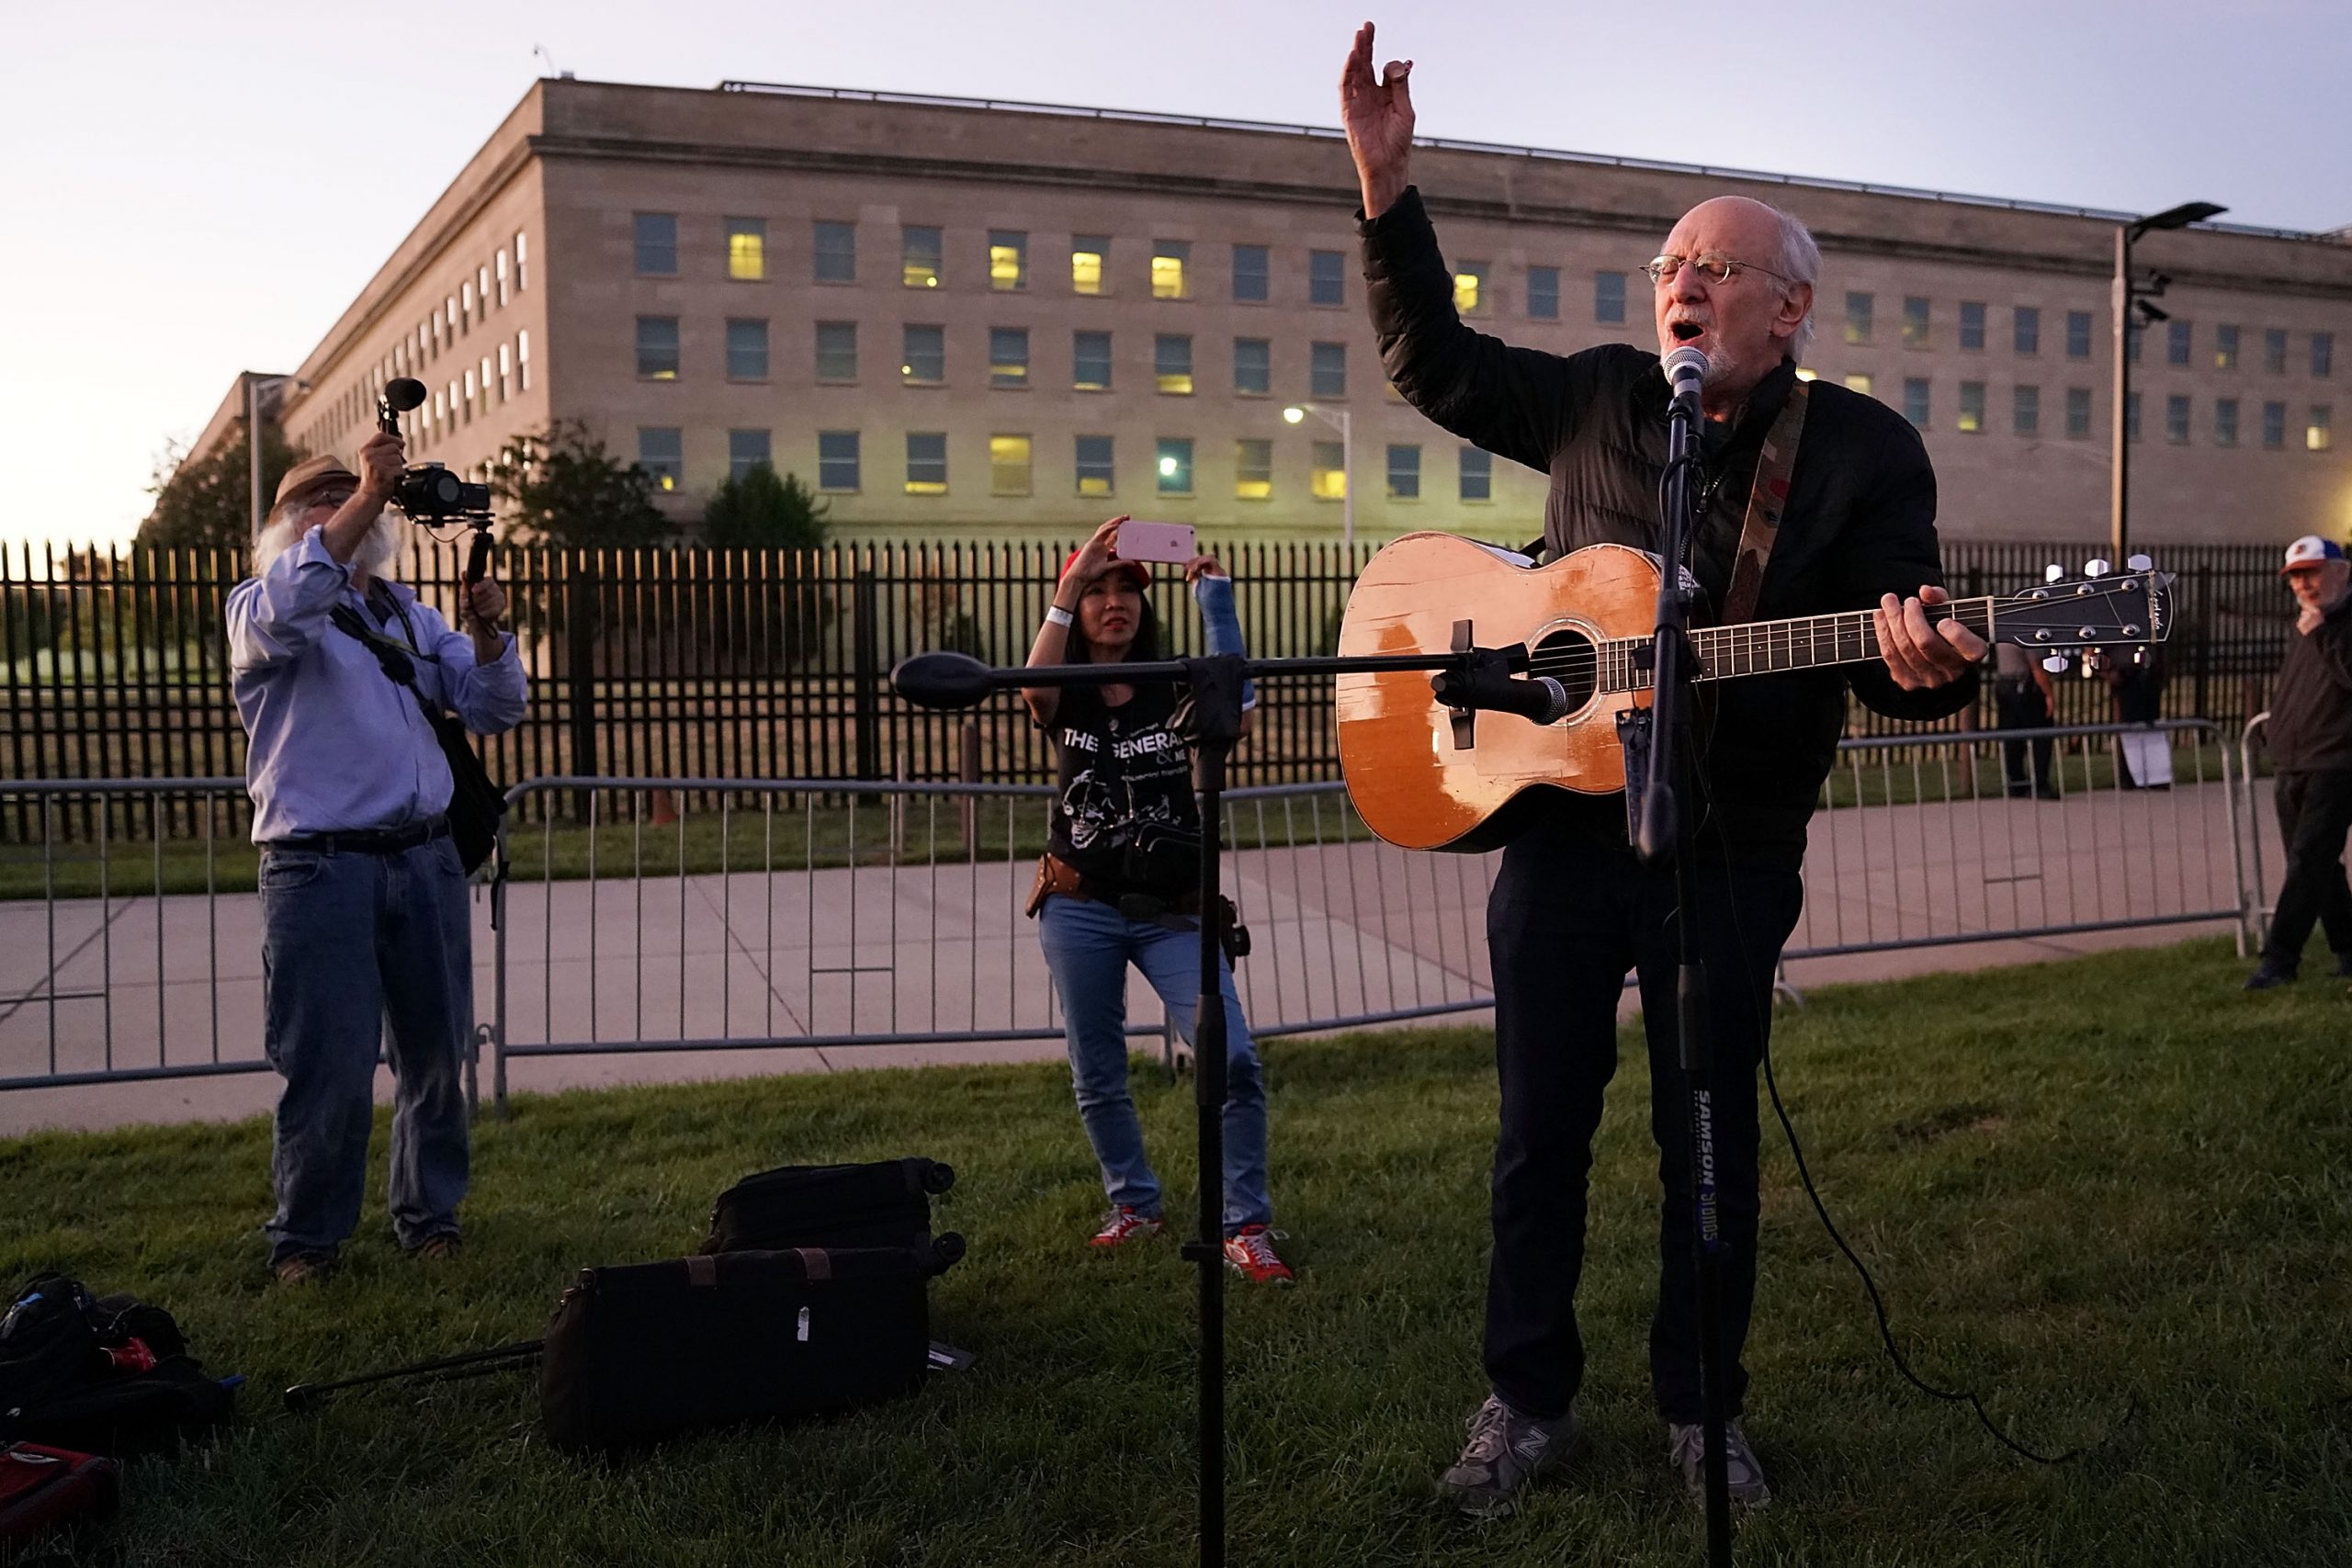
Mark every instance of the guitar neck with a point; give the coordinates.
(1760, 647)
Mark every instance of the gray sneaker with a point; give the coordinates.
(1505, 1452)
(1744, 1477)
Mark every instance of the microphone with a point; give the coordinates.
(1685, 369)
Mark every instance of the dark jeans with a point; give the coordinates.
(358, 949)
(1572, 911)
(2314, 814)
(2019, 705)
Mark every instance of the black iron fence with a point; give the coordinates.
(745, 664)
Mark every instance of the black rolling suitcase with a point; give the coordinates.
(886, 1203)
(649, 1350)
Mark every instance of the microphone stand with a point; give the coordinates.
(955, 681)
(1665, 832)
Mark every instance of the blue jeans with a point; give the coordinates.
(1089, 945)
(358, 949)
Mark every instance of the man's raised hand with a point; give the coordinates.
(1379, 119)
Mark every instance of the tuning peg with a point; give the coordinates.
(2055, 664)
(2095, 567)
(2140, 563)
(2053, 572)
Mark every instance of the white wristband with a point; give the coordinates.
(1058, 616)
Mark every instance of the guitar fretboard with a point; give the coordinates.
(1759, 648)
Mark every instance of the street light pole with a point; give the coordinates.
(2124, 297)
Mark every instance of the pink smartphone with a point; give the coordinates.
(1157, 541)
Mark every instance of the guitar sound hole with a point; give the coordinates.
(1568, 656)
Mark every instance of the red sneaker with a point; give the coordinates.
(1251, 1251)
(1124, 1224)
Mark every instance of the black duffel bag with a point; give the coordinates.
(106, 1375)
(884, 1204)
(645, 1352)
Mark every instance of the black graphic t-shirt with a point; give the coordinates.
(1125, 816)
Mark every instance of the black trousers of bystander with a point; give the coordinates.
(2314, 816)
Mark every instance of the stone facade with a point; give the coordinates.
(530, 264)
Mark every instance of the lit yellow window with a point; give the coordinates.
(1805, 375)
(1327, 471)
(1470, 289)
(1008, 262)
(1008, 465)
(1168, 258)
(1253, 470)
(1086, 265)
(747, 253)
(2316, 433)
(1858, 383)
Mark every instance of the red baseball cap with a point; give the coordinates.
(1135, 569)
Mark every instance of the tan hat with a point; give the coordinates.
(312, 471)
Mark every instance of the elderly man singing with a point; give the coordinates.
(366, 934)
(1572, 909)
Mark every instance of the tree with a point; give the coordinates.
(762, 512)
(564, 488)
(209, 501)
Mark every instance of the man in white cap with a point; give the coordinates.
(2311, 751)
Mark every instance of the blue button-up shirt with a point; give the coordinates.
(337, 745)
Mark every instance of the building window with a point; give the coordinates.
(1858, 317)
(1971, 324)
(1543, 293)
(522, 257)
(470, 395)
(2225, 348)
(1008, 356)
(923, 361)
(1972, 408)
(1327, 374)
(2134, 332)
(657, 347)
(1914, 401)
(1253, 470)
(657, 244)
(1470, 296)
(1860, 381)
(1608, 297)
(1094, 464)
(922, 253)
(1250, 266)
(505, 372)
(1915, 323)
(1008, 465)
(2323, 355)
(1167, 259)
(747, 248)
(2177, 342)
(502, 280)
(466, 306)
(2177, 420)
(1253, 372)
(2274, 425)
(2025, 410)
(1088, 255)
(523, 357)
(662, 454)
(747, 351)
(1477, 474)
(1174, 466)
(837, 460)
(1171, 363)
(2274, 350)
(1008, 262)
(2225, 421)
(1327, 278)
(746, 449)
(1091, 362)
(836, 351)
(926, 462)
(1404, 473)
(1326, 470)
(2130, 416)
(2078, 413)
(2317, 435)
(2078, 334)
(836, 253)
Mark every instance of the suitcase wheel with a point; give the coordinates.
(938, 1179)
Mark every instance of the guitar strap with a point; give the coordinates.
(1766, 500)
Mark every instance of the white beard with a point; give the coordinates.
(375, 556)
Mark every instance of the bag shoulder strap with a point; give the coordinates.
(1766, 499)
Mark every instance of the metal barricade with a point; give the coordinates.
(2254, 913)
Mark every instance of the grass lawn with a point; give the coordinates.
(2113, 1184)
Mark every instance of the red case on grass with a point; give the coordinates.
(42, 1486)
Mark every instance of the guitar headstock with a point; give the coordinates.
(2101, 608)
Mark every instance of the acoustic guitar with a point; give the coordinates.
(1426, 777)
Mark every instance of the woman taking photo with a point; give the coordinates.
(1119, 885)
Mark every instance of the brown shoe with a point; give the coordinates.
(435, 1248)
(303, 1268)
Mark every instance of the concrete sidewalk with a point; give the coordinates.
(1341, 930)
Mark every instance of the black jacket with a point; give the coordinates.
(1860, 521)
(2311, 709)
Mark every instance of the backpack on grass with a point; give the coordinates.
(106, 1375)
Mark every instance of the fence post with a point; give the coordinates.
(968, 770)
(580, 671)
(866, 675)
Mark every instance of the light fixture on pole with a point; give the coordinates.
(2126, 300)
(1338, 420)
